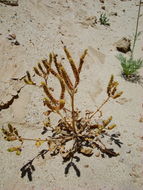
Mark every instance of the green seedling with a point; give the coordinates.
(131, 65)
(104, 20)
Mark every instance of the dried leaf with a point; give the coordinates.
(61, 104)
(41, 69)
(15, 132)
(61, 82)
(5, 132)
(57, 64)
(47, 113)
(28, 76)
(110, 85)
(29, 82)
(12, 149)
(18, 152)
(73, 66)
(46, 65)
(15, 149)
(10, 128)
(111, 126)
(82, 60)
(114, 84)
(117, 95)
(37, 71)
(48, 93)
(39, 142)
(86, 151)
(10, 138)
(114, 90)
(47, 123)
(48, 103)
(106, 122)
(50, 58)
(66, 78)
(52, 146)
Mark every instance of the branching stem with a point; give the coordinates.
(64, 120)
(99, 108)
(73, 111)
(45, 140)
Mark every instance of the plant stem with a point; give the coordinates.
(99, 108)
(73, 114)
(136, 32)
(28, 139)
(64, 120)
(45, 140)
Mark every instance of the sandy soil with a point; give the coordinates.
(39, 26)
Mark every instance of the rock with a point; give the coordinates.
(102, 1)
(10, 2)
(13, 39)
(16, 43)
(113, 14)
(103, 7)
(11, 36)
(123, 45)
(97, 154)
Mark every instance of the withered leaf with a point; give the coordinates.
(10, 128)
(110, 152)
(52, 145)
(47, 113)
(111, 126)
(86, 151)
(39, 142)
(16, 149)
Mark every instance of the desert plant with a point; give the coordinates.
(104, 20)
(131, 65)
(83, 132)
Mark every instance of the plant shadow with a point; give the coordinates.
(29, 168)
(134, 78)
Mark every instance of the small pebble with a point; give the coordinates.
(102, 1)
(11, 36)
(16, 43)
(103, 7)
(97, 154)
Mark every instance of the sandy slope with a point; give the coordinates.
(40, 25)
